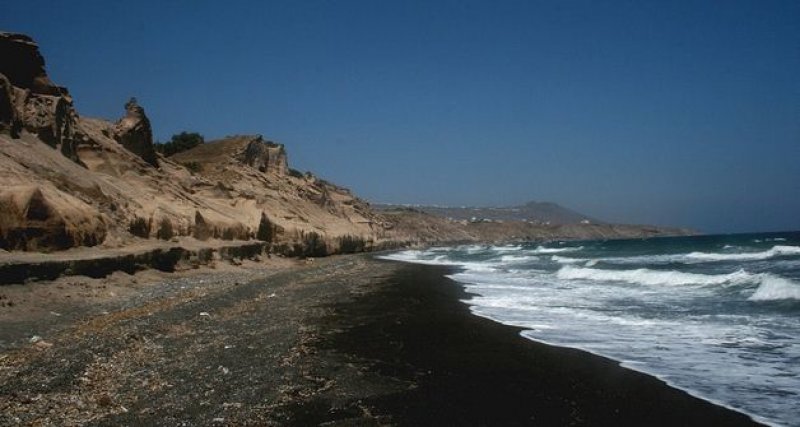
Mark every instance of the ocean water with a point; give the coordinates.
(717, 316)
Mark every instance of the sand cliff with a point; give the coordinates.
(73, 182)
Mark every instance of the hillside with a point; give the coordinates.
(71, 181)
(77, 182)
(535, 212)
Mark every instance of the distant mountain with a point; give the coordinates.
(535, 212)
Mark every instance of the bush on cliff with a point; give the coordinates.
(180, 142)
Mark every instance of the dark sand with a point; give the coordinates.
(347, 341)
(468, 370)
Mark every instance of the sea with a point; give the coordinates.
(715, 315)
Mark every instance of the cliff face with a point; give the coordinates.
(29, 100)
(71, 181)
(133, 131)
(106, 185)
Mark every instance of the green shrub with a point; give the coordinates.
(193, 167)
(180, 142)
(295, 173)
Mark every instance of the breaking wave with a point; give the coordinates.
(774, 288)
(775, 251)
(646, 276)
(544, 250)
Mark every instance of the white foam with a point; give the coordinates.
(474, 248)
(508, 248)
(648, 318)
(565, 260)
(417, 257)
(646, 276)
(544, 250)
(775, 288)
(518, 258)
(775, 251)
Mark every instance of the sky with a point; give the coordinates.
(661, 112)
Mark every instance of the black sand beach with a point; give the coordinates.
(467, 370)
(348, 341)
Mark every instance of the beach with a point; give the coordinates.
(347, 340)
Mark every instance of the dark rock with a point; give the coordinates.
(135, 133)
(30, 100)
(23, 65)
(9, 120)
(264, 156)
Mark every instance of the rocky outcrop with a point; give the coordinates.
(10, 122)
(266, 156)
(30, 100)
(207, 227)
(31, 219)
(23, 65)
(235, 188)
(53, 119)
(135, 133)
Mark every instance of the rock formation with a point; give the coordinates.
(30, 100)
(30, 219)
(23, 65)
(10, 122)
(135, 134)
(100, 187)
(264, 156)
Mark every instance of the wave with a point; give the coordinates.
(565, 260)
(544, 250)
(518, 258)
(775, 251)
(770, 287)
(508, 248)
(423, 257)
(646, 276)
(700, 257)
(774, 288)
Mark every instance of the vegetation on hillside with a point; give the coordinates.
(180, 142)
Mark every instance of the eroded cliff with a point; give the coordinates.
(72, 181)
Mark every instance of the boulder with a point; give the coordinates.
(265, 156)
(135, 133)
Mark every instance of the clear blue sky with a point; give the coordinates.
(666, 112)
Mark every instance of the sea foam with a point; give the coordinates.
(544, 250)
(775, 251)
(646, 276)
(775, 288)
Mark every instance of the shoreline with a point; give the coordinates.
(579, 387)
(341, 340)
(623, 365)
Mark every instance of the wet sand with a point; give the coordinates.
(347, 341)
(467, 370)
